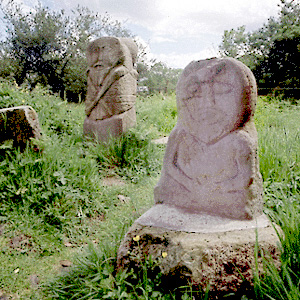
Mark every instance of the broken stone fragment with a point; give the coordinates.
(19, 124)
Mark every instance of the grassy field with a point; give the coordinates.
(59, 208)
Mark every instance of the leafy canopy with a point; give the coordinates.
(272, 51)
(48, 47)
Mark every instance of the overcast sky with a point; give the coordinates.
(178, 31)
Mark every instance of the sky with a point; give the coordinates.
(177, 31)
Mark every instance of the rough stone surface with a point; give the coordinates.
(110, 127)
(111, 90)
(19, 124)
(208, 201)
(224, 260)
(211, 162)
(34, 280)
(180, 219)
(161, 141)
(112, 181)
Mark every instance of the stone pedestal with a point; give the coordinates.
(102, 130)
(220, 255)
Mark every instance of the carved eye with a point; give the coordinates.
(193, 89)
(95, 50)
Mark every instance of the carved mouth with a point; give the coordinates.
(211, 116)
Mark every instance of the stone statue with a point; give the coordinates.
(211, 164)
(208, 202)
(111, 90)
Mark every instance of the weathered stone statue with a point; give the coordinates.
(111, 90)
(210, 165)
(211, 162)
(208, 202)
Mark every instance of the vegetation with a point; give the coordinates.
(48, 48)
(271, 52)
(158, 77)
(56, 205)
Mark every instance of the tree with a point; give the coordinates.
(271, 51)
(158, 77)
(48, 47)
(281, 69)
(252, 46)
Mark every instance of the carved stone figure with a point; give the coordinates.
(208, 202)
(211, 164)
(111, 90)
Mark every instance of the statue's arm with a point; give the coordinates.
(112, 76)
(171, 161)
(244, 158)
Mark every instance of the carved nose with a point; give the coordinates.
(208, 99)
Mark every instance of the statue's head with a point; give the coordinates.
(109, 52)
(215, 97)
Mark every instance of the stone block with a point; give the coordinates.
(19, 124)
(224, 260)
(102, 130)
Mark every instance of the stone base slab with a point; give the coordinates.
(225, 260)
(19, 124)
(102, 130)
(181, 219)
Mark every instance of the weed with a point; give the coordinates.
(132, 155)
(56, 197)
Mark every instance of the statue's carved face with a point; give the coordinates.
(209, 100)
(105, 53)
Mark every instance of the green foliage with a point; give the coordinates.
(157, 77)
(48, 181)
(252, 46)
(278, 140)
(272, 51)
(94, 277)
(283, 282)
(48, 47)
(158, 112)
(57, 195)
(133, 156)
(280, 69)
(280, 167)
(233, 42)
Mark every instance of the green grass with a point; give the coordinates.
(157, 113)
(279, 144)
(57, 196)
(55, 204)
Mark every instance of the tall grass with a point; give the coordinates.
(157, 113)
(132, 156)
(57, 194)
(279, 144)
(60, 187)
(283, 282)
